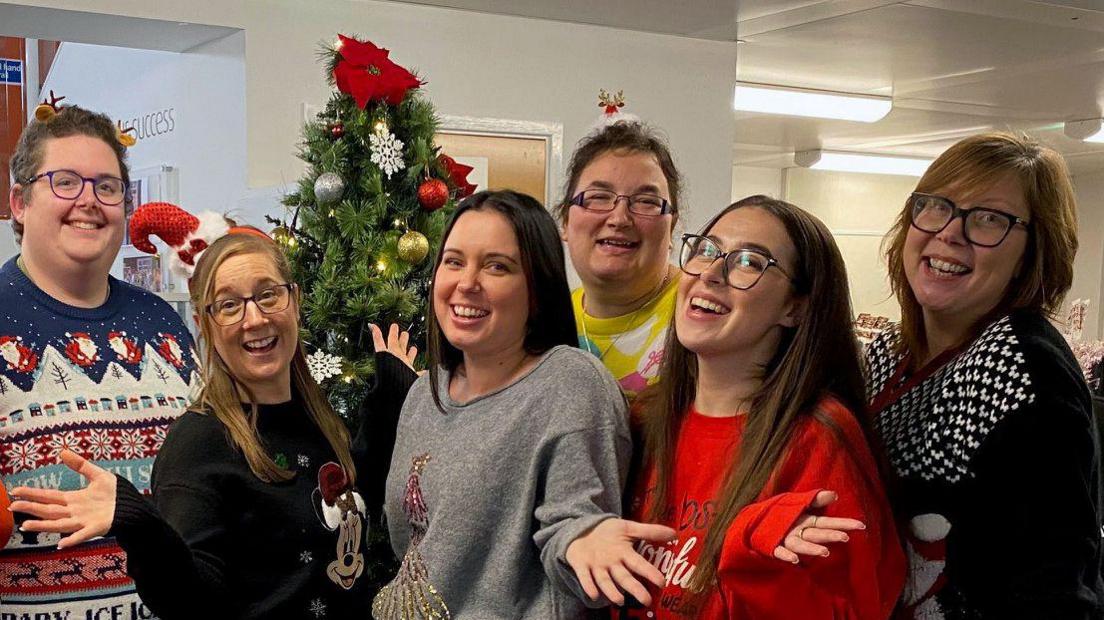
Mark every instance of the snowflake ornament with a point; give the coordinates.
(386, 151)
(318, 608)
(303, 460)
(306, 557)
(322, 365)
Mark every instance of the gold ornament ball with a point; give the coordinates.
(413, 247)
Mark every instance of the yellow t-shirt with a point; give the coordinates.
(631, 345)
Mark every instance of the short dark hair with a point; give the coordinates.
(629, 136)
(69, 121)
(551, 319)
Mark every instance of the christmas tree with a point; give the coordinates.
(364, 222)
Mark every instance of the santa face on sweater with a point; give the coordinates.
(18, 357)
(81, 350)
(69, 236)
(125, 348)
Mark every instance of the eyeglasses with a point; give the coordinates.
(981, 226)
(601, 201)
(742, 268)
(68, 185)
(231, 310)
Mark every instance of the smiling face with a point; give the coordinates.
(70, 235)
(620, 248)
(480, 292)
(258, 349)
(955, 281)
(717, 321)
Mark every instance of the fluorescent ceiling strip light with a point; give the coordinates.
(857, 162)
(1091, 130)
(810, 103)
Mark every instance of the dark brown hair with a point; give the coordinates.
(815, 359)
(551, 316)
(628, 136)
(970, 167)
(69, 121)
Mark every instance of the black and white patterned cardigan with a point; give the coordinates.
(998, 475)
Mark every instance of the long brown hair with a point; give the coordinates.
(223, 393)
(969, 167)
(818, 357)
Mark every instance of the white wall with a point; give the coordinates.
(859, 209)
(1088, 269)
(477, 65)
(752, 180)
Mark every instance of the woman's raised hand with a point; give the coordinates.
(397, 344)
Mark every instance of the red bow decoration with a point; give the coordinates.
(366, 73)
(332, 482)
(458, 174)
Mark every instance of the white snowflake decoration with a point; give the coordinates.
(386, 151)
(322, 365)
(318, 607)
(306, 557)
(303, 460)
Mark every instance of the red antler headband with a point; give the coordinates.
(188, 235)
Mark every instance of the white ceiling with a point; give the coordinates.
(953, 67)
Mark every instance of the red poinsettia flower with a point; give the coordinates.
(367, 74)
(458, 174)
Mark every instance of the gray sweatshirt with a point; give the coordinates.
(483, 500)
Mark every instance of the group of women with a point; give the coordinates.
(758, 468)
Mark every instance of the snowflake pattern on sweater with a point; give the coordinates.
(105, 383)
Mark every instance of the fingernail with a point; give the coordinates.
(845, 538)
(862, 526)
(794, 561)
(825, 554)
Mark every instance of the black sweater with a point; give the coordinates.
(999, 475)
(218, 542)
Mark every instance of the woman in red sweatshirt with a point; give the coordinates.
(759, 410)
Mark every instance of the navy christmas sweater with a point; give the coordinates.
(106, 383)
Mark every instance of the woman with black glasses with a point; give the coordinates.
(259, 493)
(758, 411)
(980, 404)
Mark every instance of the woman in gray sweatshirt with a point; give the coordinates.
(514, 443)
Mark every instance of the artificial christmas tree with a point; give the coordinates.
(357, 235)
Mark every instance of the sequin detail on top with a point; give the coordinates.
(410, 596)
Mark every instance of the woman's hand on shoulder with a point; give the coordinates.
(606, 563)
(83, 514)
(812, 532)
(397, 344)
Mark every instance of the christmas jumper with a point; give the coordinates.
(104, 382)
(218, 542)
(860, 580)
(631, 345)
(484, 498)
(995, 447)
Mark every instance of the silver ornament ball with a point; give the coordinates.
(328, 188)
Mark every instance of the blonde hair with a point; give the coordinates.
(223, 393)
(970, 167)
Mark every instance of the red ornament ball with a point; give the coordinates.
(433, 194)
(337, 130)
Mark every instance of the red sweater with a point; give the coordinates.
(860, 580)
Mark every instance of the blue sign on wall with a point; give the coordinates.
(11, 71)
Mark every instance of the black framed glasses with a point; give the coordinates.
(231, 310)
(68, 185)
(742, 267)
(602, 200)
(980, 225)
